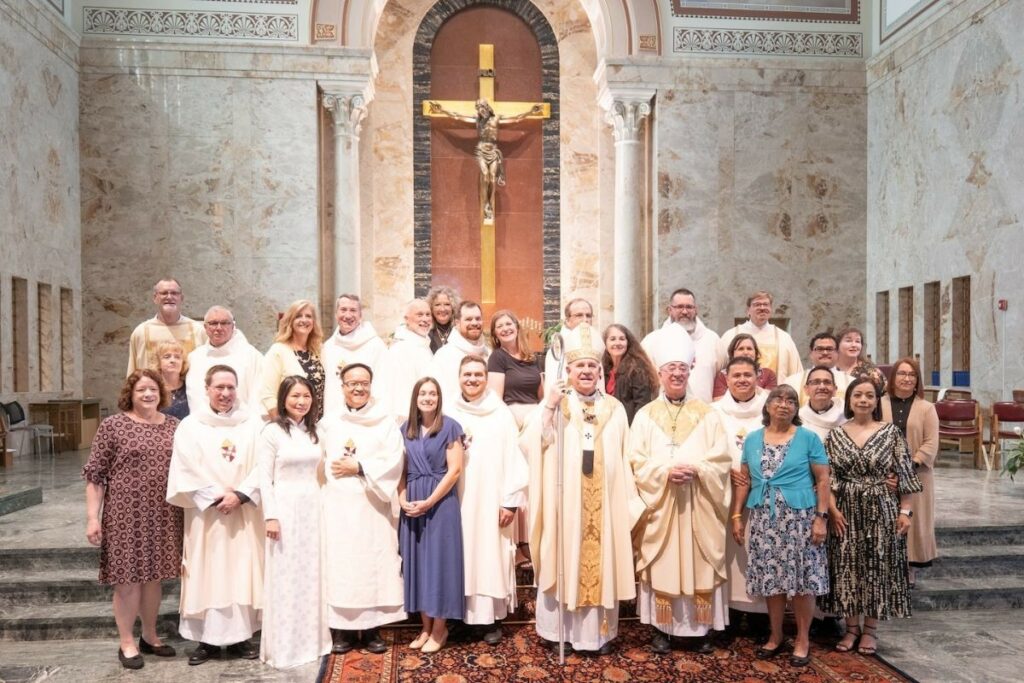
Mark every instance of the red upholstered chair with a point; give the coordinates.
(959, 419)
(1004, 415)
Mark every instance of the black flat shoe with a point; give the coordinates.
(135, 662)
(158, 650)
(606, 649)
(203, 653)
(768, 653)
(373, 643)
(661, 644)
(700, 646)
(493, 635)
(800, 661)
(244, 650)
(342, 641)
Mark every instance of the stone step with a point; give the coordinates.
(12, 500)
(1009, 534)
(977, 560)
(40, 587)
(970, 592)
(74, 620)
(85, 557)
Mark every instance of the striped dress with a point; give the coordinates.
(868, 565)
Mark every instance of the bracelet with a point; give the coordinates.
(738, 515)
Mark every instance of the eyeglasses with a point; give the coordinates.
(910, 375)
(783, 399)
(356, 385)
(682, 307)
(820, 383)
(220, 323)
(824, 349)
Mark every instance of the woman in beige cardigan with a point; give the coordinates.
(295, 351)
(906, 407)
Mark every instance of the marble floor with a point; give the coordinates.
(941, 646)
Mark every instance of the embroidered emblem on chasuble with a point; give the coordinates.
(467, 440)
(770, 353)
(677, 424)
(350, 449)
(228, 450)
(592, 506)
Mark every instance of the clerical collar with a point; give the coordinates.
(592, 398)
(677, 401)
(741, 402)
(820, 412)
(356, 410)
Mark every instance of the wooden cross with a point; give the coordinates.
(505, 112)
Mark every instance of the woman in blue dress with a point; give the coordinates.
(430, 528)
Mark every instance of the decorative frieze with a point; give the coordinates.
(192, 24)
(745, 41)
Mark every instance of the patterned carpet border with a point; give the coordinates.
(521, 657)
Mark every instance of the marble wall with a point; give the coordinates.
(39, 198)
(198, 162)
(945, 172)
(759, 183)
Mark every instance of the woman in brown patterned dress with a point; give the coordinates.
(139, 534)
(867, 550)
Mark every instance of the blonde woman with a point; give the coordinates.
(171, 362)
(295, 351)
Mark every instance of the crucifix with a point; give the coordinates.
(487, 115)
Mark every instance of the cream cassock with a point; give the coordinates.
(361, 345)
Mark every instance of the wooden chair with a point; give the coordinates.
(1004, 415)
(960, 419)
(1018, 395)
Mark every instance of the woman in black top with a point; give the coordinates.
(443, 302)
(629, 374)
(512, 370)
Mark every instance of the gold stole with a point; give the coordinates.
(770, 354)
(591, 503)
(679, 427)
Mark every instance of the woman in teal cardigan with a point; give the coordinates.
(787, 491)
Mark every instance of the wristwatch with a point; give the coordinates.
(823, 515)
(908, 513)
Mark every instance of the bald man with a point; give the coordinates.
(407, 359)
(226, 345)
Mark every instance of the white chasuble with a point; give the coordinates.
(681, 565)
(740, 419)
(778, 352)
(238, 354)
(361, 345)
(494, 476)
(360, 513)
(445, 365)
(294, 613)
(407, 361)
(600, 510)
(823, 423)
(222, 560)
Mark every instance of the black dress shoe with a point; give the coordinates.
(661, 644)
(373, 642)
(244, 650)
(800, 661)
(135, 662)
(700, 645)
(553, 646)
(158, 650)
(768, 653)
(202, 654)
(342, 641)
(493, 634)
(606, 649)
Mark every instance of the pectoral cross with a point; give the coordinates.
(488, 116)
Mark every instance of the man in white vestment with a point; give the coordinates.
(407, 360)
(741, 408)
(491, 489)
(824, 349)
(824, 409)
(778, 352)
(214, 477)
(599, 501)
(166, 326)
(681, 463)
(682, 310)
(576, 311)
(363, 451)
(226, 346)
(354, 341)
(467, 339)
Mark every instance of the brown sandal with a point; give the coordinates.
(851, 631)
(868, 650)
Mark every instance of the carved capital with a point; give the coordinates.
(627, 118)
(347, 112)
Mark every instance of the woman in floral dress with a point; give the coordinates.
(867, 549)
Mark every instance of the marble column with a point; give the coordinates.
(626, 114)
(348, 109)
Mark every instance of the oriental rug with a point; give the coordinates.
(521, 657)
